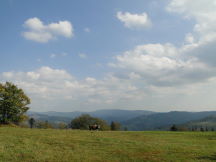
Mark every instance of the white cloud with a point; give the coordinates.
(203, 12)
(64, 54)
(39, 32)
(56, 89)
(160, 64)
(134, 21)
(201, 42)
(168, 65)
(58, 86)
(148, 76)
(87, 30)
(52, 55)
(82, 56)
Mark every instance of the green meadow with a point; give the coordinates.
(51, 145)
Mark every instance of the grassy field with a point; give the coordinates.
(49, 145)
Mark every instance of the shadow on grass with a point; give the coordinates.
(211, 157)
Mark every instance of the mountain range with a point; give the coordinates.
(208, 123)
(159, 121)
(135, 120)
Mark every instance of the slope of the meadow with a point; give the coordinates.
(49, 145)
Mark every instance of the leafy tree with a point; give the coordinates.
(115, 126)
(44, 125)
(174, 128)
(202, 129)
(62, 125)
(31, 122)
(13, 104)
(83, 122)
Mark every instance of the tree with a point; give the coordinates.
(202, 129)
(174, 128)
(62, 125)
(31, 122)
(83, 122)
(13, 103)
(115, 126)
(44, 125)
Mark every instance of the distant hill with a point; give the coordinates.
(134, 119)
(159, 121)
(207, 122)
(51, 119)
(59, 114)
(119, 115)
(108, 115)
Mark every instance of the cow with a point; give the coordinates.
(94, 127)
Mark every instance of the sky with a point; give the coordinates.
(85, 55)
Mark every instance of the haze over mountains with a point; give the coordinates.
(136, 120)
(108, 115)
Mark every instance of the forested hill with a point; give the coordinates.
(134, 120)
(206, 123)
(161, 120)
(108, 115)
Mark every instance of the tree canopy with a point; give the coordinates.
(83, 122)
(115, 126)
(13, 103)
(31, 122)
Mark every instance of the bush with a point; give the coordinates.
(44, 125)
(82, 122)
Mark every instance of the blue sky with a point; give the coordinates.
(126, 54)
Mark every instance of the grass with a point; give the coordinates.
(49, 145)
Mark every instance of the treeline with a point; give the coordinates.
(82, 122)
(192, 128)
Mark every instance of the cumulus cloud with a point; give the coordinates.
(169, 70)
(57, 89)
(169, 65)
(39, 32)
(52, 55)
(134, 21)
(58, 86)
(165, 73)
(162, 64)
(201, 41)
(87, 30)
(82, 55)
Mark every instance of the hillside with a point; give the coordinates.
(119, 115)
(108, 115)
(207, 122)
(51, 119)
(133, 120)
(159, 121)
